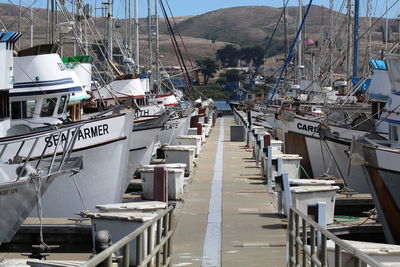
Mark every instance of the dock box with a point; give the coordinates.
(302, 196)
(137, 206)
(310, 182)
(388, 255)
(175, 183)
(120, 225)
(290, 164)
(180, 154)
(193, 131)
(207, 127)
(181, 166)
(238, 133)
(190, 140)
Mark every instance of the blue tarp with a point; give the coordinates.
(9, 37)
(377, 64)
(365, 85)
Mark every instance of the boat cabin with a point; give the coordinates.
(7, 42)
(42, 88)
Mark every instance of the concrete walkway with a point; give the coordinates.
(251, 234)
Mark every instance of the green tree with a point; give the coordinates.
(258, 56)
(208, 67)
(213, 91)
(253, 55)
(228, 56)
(232, 76)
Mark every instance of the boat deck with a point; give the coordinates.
(228, 218)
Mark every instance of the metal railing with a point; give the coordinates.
(161, 250)
(66, 138)
(304, 251)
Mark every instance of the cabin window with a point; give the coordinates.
(23, 109)
(61, 106)
(141, 102)
(49, 104)
(4, 105)
(393, 133)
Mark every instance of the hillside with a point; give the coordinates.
(205, 33)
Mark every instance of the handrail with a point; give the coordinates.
(5, 141)
(298, 241)
(35, 137)
(164, 242)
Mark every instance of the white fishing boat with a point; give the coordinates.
(102, 140)
(25, 172)
(380, 159)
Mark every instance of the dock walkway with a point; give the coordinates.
(228, 217)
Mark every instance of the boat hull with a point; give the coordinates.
(383, 174)
(20, 198)
(103, 176)
(173, 128)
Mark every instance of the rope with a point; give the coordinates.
(37, 181)
(343, 218)
(338, 58)
(304, 171)
(371, 215)
(183, 43)
(79, 192)
(289, 58)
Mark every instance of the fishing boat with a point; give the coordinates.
(44, 85)
(27, 165)
(380, 158)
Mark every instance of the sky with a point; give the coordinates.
(196, 7)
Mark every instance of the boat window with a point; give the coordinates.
(48, 107)
(140, 102)
(30, 108)
(4, 104)
(61, 106)
(23, 109)
(393, 133)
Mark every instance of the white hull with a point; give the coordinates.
(17, 200)
(102, 179)
(330, 157)
(172, 129)
(140, 149)
(383, 174)
(319, 157)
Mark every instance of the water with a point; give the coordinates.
(222, 105)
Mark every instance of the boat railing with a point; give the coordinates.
(159, 253)
(63, 141)
(304, 250)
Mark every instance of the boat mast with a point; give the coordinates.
(137, 47)
(299, 58)
(127, 23)
(369, 14)
(355, 47)
(150, 40)
(157, 65)
(349, 34)
(32, 23)
(19, 20)
(386, 27)
(110, 28)
(331, 6)
(285, 33)
(398, 28)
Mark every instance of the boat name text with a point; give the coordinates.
(8, 191)
(170, 126)
(84, 134)
(305, 127)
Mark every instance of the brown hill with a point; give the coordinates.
(205, 33)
